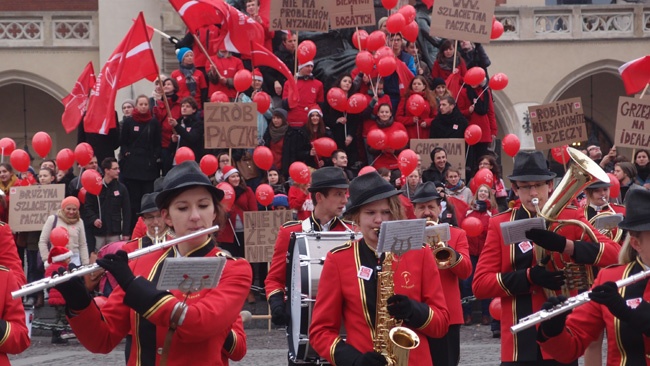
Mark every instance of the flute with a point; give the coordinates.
(48, 282)
(569, 304)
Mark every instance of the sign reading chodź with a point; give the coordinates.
(558, 123)
(352, 13)
(230, 125)
(469, 20)
(632, 116)
(455, 149)
(300, 15)
(30, 206)
(260, 231)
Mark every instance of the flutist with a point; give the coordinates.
(513, 272)
(623, 312)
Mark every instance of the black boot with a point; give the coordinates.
(56, 338)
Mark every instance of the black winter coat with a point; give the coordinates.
(140, 149)
(448, 126)
(115, 210)
(190, 130)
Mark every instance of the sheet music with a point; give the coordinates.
(608, 222)
(400, 236)
(438, 233)
(191, 274)
(515, 231)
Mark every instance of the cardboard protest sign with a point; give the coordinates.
(260, 231)
(631, 118)
(230, 125)
(300, 15)
(352, 13)
(455, 152)
(30, 206)
(469, 20)
(558, 123)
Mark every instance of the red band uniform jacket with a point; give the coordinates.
(502, 271)
(235, 346)
(205, 327)
(460, 271)
(347, 298)
(14, 337)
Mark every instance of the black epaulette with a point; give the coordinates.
(3, 268)
(347, 245)
(291, 223)
(225, 254)
(504, 212)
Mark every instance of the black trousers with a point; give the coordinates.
(445, 351)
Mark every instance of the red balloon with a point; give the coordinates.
(219, 97)
(375, 40)
(360, 36)
(264, 194)
(395, 23)
(82, 195)
(408, 11)
(365, 62)
(495, 308)
(389, 4)
(407, 161)
(228, 195)
(209, 164)
(415, 104)
(367, 169)
(386, 66)
(324, 146)
(184, 154)
(560, 154)
(83, 153)
(92, 181)
(473, 134)
(306, 51)
(357, 103)
(511, 144)
(65, 159)
(42, 143)
(19, 160)
(483, 176)
(615, 186)
(398, 139)
(410, 31)
(474, 76)
(498, 81)
(472, 226)
(7, 146)
(263, 101)
(337, 99)
(59, 236)
(263, 157)
(242, 80)
(377, 139)
(383, 52)
(299, 172)
(497, 30)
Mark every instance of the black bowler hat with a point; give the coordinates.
(598, 184)
(328, 177)
(148, 203)
(637, 210)
(185, 175)
(426, 192)
(530, 167)
(368, 188)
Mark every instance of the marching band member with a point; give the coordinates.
(598, 201)
(329, 193)
(166, 325)
(446, 350)
(13, 329)
(156, 227)
(348, 294)
(511, 271)
(624, 313)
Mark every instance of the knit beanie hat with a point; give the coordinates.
(70, 200)
(128, 101)
(438, 81)
(228, 171)
(180, 53)
(280, 200)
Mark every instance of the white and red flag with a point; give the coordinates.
(196, 15)
(635, 74)
(75, 103)
(130, 62)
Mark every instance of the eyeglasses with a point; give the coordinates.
(537, 187)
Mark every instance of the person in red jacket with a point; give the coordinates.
(191, 82)
(476, 104)
(309, 91)
(234, 348)
(517, 275)
(443, 67)
(417, 126)
(59, 257)
(348, 295)
(221, 78)
(13, 329)
(170, 88)
(445, 350)
(386, 158)
(624, 313)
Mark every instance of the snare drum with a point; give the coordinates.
(307, 252)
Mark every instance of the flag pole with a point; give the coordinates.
(455, 50)
(295, 61)
(644, 90)
(205, 52)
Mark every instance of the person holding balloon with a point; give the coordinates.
(59, 256)
(416, 109)
(443, 66)
(221, 78)
(498, 186)
(188, 128)
(344, 120)
(275, 135)
(309, 92)
(474, 55)
(382, 139)
(298, 145)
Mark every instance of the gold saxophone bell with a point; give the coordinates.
(445, 257)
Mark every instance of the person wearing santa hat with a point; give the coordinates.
(309, 91)
(59, 257)
(298, 142)
(222, 78)
(262, 118)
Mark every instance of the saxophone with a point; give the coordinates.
(391, 339)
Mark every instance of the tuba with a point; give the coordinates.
(445, 256)
(579, 175)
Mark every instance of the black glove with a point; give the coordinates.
(400, 307)
(547, 239)
(371, 359)
(173, 40)
(74, 291)
(279, 314)
(555, 325)
(607, 294)
(539, 275)
(118, 265)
